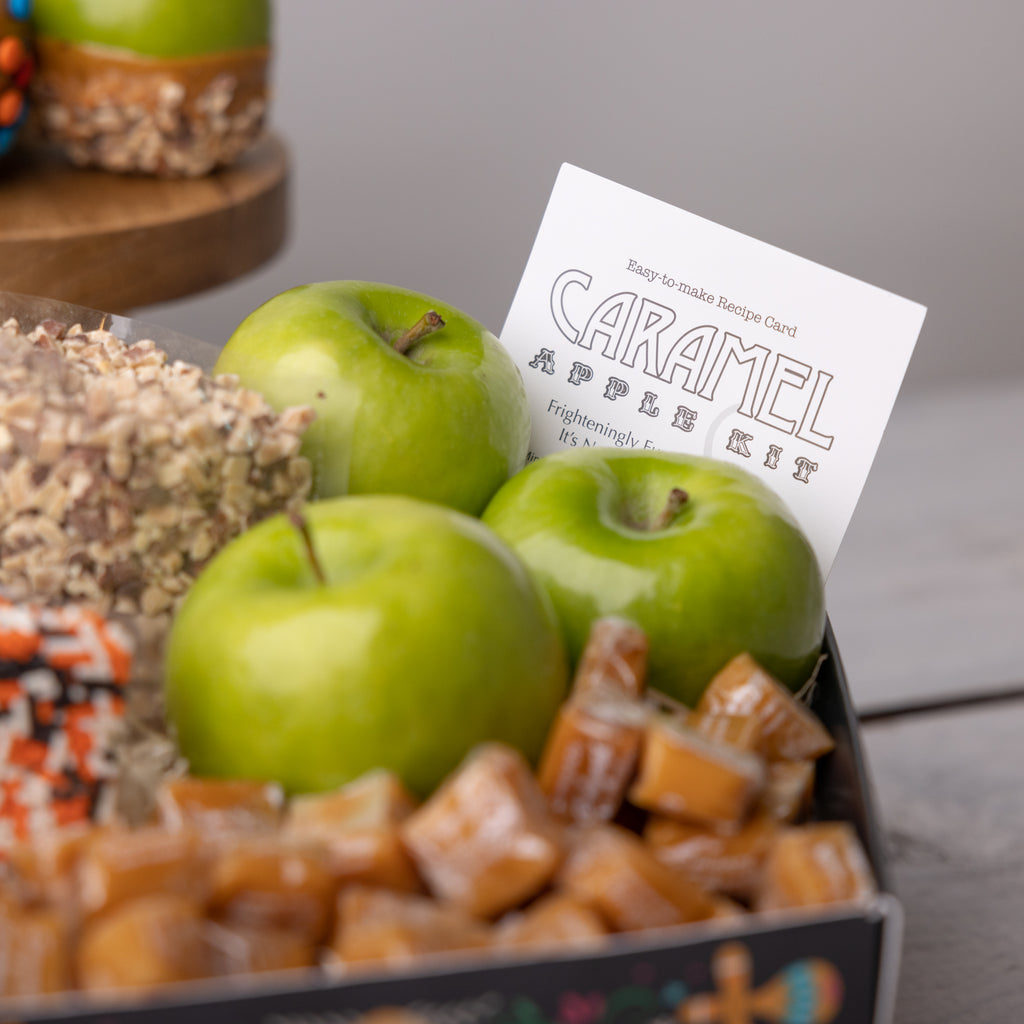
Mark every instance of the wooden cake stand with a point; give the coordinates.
(116, 242)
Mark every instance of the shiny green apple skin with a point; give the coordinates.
(731, 572)
(447, 422)
(428, 636)
(157, 28)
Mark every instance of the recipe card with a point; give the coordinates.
(641, 326)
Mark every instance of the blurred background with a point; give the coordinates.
(882, 141)
(879, 139)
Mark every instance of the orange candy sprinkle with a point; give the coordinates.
(12, 102)
(12, 54)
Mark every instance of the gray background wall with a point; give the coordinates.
(880, 138)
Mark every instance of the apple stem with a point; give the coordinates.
(427, 324)
(677, 498)
(300, 524)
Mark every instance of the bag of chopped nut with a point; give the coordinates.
(122, 472)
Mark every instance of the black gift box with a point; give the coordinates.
(837, 965)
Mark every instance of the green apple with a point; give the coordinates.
(379, 631)
(411, 395)
(157, 28)
(699, 552)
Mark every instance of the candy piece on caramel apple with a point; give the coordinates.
(486, 840)
(142, 944)
(684, 775)
(358, 827)
(726, 861)
(375, 925)
(17, 67)
(812, 864)
(165, 87)
(788, 729)
(615, 871)
(66, 668)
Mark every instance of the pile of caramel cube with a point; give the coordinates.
(641, 814)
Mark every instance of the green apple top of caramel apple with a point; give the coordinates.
(411, 395)
(157, 28)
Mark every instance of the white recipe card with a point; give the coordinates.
(639, 325)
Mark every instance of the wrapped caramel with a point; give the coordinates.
(684, 775)
(786, 728)
(615, 871)
(814, 864)
(641, 815)
(359, 829)
(486, 840)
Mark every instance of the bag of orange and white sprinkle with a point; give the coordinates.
(63, 672)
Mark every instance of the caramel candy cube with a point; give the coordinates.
(486, 840)
(614, 658)
(377, 798)
(118, 864)
(379, 925)
(215, 806)
(740, 731)
(249, 949)
(35, 950)
(358, 826)
(143, 943)
(723, 861)
(816, 863)
(44, 869)
(788, 729)
(684, 775)
(615, 871)
(590, 756)
(552, 922)
(271, 883)
(788, 789)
